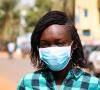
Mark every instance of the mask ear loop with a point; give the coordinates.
(43, 64)
(38, 56)
(74, 65)
(71, 43)
(72, 50)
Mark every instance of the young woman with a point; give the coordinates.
(57, 52)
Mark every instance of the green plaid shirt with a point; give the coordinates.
(44, 80)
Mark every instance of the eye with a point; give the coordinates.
(60, 43)
(63, 43)
(44, 44)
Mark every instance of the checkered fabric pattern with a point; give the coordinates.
(44, 80)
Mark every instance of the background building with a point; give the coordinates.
(87, 21)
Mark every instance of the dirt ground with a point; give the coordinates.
(6, 84)
(11, 70)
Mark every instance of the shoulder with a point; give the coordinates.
(27, 80)
(87, 76)
(30, 76)
(87, 80)
(91, 77)
(91, 80)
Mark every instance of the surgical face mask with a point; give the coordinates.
(56, 58)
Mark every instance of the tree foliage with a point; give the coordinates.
(6, 19)
(35, 13)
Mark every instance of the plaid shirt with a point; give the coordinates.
(44, 80)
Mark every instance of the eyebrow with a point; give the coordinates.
(55, 39)
(61, 39)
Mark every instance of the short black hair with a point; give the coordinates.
(60, 18)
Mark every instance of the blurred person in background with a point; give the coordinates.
(57, 52)
(11, 48)
(25, 49)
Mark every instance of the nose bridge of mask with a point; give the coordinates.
(46, 52)
(54, 52)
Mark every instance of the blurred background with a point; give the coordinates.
(17, 21)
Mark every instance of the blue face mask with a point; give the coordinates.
(56, 58)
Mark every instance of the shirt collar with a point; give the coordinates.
(73, 73)
(76, 72)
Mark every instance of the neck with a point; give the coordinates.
(61, 75)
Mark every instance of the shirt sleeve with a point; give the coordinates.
(21, 85)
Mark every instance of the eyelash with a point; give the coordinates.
(44, 45)
(60, 44)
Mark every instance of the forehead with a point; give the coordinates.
(56, 31)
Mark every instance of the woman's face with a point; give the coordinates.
(55, 35)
